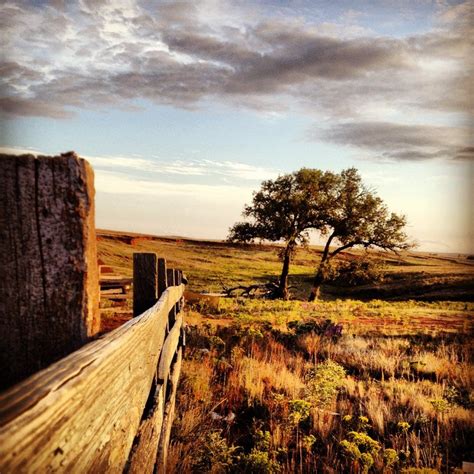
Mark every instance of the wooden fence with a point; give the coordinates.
(82, 402)
(109, 406)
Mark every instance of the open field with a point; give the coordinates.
(340, 385)
(209, 264)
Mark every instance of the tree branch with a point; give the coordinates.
(344, 247)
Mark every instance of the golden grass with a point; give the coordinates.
(409, 367)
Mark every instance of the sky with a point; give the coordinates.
(183, 108)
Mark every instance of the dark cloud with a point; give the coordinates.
(465, 154)
(401, 141)
(32, 107)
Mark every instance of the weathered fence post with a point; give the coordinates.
(162, 276)
(49, 287)
(171, 282)
(145, 282)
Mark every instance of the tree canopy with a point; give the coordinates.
(353, 215)
(282, 210)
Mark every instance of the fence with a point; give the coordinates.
(82, 402)
(108, 406)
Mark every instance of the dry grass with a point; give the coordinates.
(246, 402)
(414, 392)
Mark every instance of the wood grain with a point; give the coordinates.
(145, 449)
(82, 413)
(169, 349)
(49, 291)
(168, 416)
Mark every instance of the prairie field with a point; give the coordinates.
(370, 378)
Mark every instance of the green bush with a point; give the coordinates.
(390, 457)
(214, 455)
(323, 383)
(358, 271)
(299, 411)
(258, 462)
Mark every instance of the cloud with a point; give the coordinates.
(402, 142)
(117, 183)
(217, 172)
(198, 168)
(97, 54)
(13, 150)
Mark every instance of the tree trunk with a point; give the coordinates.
(283, 283)
(317, 282)
(319, 277)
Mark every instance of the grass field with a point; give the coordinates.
(378, 384)
(209, 264)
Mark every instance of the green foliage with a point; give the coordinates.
(214, 455)
(355, 423)
(360, 447)
(299, 411)
(337, 205)
(362, 424)
(440, 405)
(325, 328)
(403, 426)
(390, 457)
(358, 271)
(260, 459)
(308, 441)
(262, 440)
(367, 462)
(364, 442)
(350, 450)
(453, 396)
(259, 462)
(283, 209)
(323, 383)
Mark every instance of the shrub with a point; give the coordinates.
(364, 442)
(367, 461)
(323, 382)
(326, 328)
(403, 426)
(214, 455)
(357, 271)
(299, 411)
(259, 462)
(350, 450)
(390, 457)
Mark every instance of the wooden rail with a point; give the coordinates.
(108, 407)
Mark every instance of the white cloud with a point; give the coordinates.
(203, 168)
(116, 183)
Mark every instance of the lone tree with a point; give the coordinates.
(352, 215)
(283, 210)
(338, 205)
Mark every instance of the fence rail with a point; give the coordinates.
(108, 407)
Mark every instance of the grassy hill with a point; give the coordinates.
(210, 264)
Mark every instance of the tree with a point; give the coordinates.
(352, 215)
(282, 210)
(337, 205)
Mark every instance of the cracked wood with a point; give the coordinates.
(49, 291)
